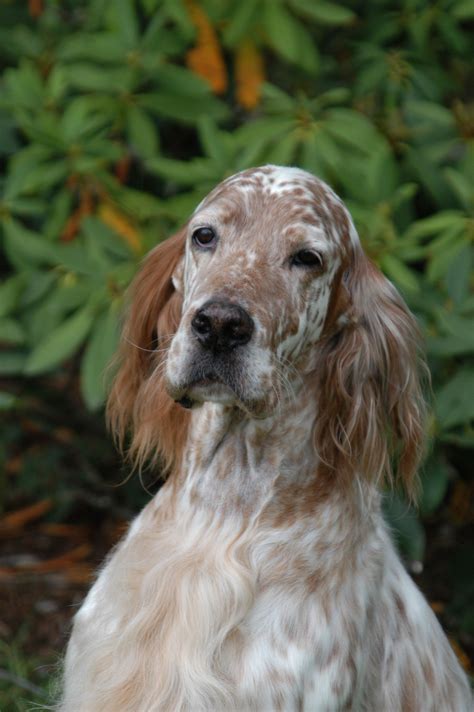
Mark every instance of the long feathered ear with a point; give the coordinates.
(371, 412)
(138, 403)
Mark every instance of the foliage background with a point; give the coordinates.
(116, 118)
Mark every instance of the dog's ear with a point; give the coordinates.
(371, 412)
(138, 404)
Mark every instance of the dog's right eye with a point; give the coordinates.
(204, 237)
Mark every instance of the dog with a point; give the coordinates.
(273, 371)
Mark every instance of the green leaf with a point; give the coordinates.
(211, 140)
(60, 344)
(428, 116)
(44, 176)
(454, 401)
(242, 18)
(37, 285)
(408, 531)
(97, 47)
(142, 133)
(68, 294)
(435, 224)
(11, 332)
(264, 131)
(434, 481)
(462, 187)
(140, 204)
(184, 173)
(7, 400)
(464, 10)
(440, 264)
(110, 80)
(283, 151)
(10, 291)
(179, 80)
(287, 36)
(24, 248)
(355, 130)
(60, 209)
(107, 239)
(100, 349)
(449, 346)
(79, 120)
(75, 258)
(458, 275)
(12, 363)
(463, 439)
(184, 109)
(124, 11)
(402, 275)
(327, 13)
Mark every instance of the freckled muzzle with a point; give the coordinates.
(217, 331)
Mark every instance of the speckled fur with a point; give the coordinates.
(262, 577)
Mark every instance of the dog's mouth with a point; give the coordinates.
(211, 387)
(218, 380)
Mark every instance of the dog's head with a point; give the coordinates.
(267, 285)
(262, 255)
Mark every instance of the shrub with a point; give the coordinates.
(118, 116)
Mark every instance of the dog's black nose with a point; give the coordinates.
(221, 326)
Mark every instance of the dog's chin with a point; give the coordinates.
(213, 391)
(195, 393)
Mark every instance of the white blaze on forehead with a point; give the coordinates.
(273, 180)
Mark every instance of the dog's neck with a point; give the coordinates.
(237, 464)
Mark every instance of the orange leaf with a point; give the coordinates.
(437, 606)
(206, 58)
(461, 502)
(13, 466)
(61, 562)
(71, 227)
(85, 207)
(122, 169)
(63, 530)
(81, 573)
(18, 519)
(249, 74)
(461, 655)
(121, 224)
(35, 7)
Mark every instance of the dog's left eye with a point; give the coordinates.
(307, 258)
(204, 236)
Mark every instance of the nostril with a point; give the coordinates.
(238, 331)
(201, 324)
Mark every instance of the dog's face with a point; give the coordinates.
(261, 284)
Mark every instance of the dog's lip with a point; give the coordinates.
(195, 393)
(207, 380)
(197, 387)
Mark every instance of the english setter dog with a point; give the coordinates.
(272, 369)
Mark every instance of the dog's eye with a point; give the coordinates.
(307, 258)
(204, 237)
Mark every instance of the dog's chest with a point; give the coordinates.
(212, 619)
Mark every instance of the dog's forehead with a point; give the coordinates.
(283, 195)
(274, 180)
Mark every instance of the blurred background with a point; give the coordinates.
(116, 118)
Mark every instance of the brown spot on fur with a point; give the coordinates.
(409, 700)
(400, 606)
